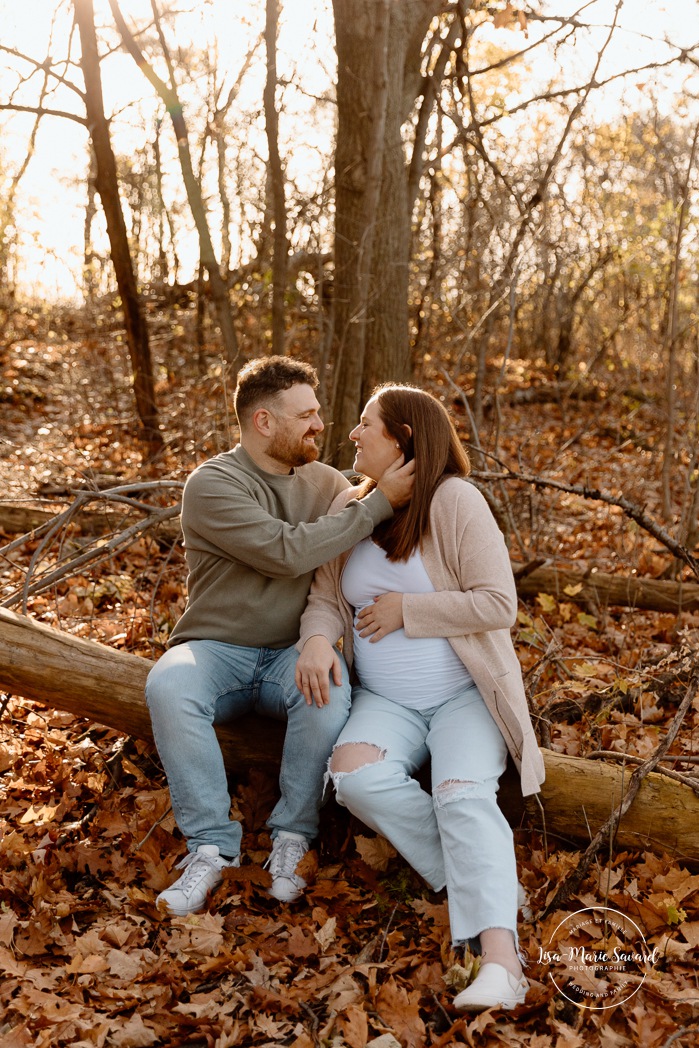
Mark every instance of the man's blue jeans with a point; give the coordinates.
(200, 683)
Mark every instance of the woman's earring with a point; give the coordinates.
(398, 446)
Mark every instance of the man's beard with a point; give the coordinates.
(290, 453)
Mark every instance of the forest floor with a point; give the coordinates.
(88, 839)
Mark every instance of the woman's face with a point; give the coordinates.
(376, 450)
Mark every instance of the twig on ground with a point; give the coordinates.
(153, 828)
(688, 780)
(118, 542)
(677, 1034)
(440, 1007)
(315, 1022)
(386, 931)
(118, 495)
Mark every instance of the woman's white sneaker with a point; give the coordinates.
(202, 874)
(493, 987)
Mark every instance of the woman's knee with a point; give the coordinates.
(352, 756)
(450, 791)
(359, 773)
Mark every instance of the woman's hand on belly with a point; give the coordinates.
(382, 617)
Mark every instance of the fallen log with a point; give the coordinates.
(22, 520)
(579, 795)
(106, 686)
(601, 589)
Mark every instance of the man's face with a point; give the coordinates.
(296, 424)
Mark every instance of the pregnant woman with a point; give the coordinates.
(424, 609)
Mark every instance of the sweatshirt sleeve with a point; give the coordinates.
(486, 598)
(225, 517)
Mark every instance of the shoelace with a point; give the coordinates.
(194, 864)
(285, 858)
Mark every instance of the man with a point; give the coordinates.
(255, 526)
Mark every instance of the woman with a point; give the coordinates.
(424, 609)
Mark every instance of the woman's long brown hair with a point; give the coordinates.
(421, 426)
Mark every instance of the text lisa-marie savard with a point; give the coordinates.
(584, 956)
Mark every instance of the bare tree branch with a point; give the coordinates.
(44, 67)
(169, 96)
(631, 509)
(122, 540)
(40, 111)
(432, 84)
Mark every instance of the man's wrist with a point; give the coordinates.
(379, 506)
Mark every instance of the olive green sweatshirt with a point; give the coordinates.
(253, 540)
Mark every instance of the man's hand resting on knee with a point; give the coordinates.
(316, 663)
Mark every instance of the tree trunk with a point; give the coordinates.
(579, 796)
(671, 335)
(377, 62)
(163, 216)
(89, 269)
(20, 520)
(276, 180)
(108, 189)
(93, 681)
(168, 94)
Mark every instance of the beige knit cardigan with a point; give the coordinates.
(474, 605)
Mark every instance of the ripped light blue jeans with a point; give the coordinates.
(456, 837)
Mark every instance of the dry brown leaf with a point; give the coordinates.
(308, 866)
(438, 913)
(8, 923)
(301, 945)
(399, 1010)
(134, 1033)
(326, 934)
(503, 18)
(354, 1026)
(375, 851)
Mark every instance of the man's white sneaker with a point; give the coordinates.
(287, 851)
(202, 873)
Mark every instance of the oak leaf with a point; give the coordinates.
(354, 1026)
(344, 992)
(89, 965)
(125, 964)
(437, 912)
(8, 923)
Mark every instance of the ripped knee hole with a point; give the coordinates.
(460, 789)
(351, 756)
